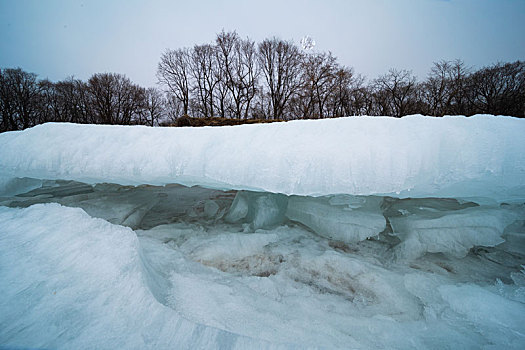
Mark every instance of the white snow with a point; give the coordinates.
(413, 156)
(411, 236)
(76, 282)
(79, 282)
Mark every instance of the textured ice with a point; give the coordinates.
(10, 186)
(352, 233)
(259, 210)
(186, 277)
(452, 232)
(335, 219)
(413, 156)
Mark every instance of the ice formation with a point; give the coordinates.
(413, 156)
(253, 260)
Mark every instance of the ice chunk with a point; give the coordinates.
(427, 207)
(268, 210)
(210, 208)
(10, 186)
(352, 202)
(514, 236)
(134, 218)
(451, 232)
(371, 288)
(197, 282)
(239, 208)
(336, 221)
(133, 206)
(218, 250)
(260, 210)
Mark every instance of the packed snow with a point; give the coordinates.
(413, 156)
(102, 246)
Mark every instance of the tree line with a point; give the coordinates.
(106, 98)
(274, 79)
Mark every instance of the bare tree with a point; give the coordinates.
(459, 81)
(380, 101)
(173, 73)
(72, 96)
(225, 45)
(340, 100)
(360, 97)
(247, 73)
(172, 110)
(152, 107)
(19, 99)
(280, 63)
(63, 101)
(397, 89)
(203, 67)
(8, 116)
(499, 89)
(114, 98)
(437, 90)
(319, 82)
(49, 107)
(238, 65)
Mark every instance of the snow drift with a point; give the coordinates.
(413, 156)
(77, 283)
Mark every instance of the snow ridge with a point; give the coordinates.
(414, 156)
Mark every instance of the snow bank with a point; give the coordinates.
(415, 156)
(76, 282)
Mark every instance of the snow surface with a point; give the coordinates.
(371, 258)
(75, 275)
(75, 282)
(413, 156)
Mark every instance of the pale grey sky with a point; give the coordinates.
(56, 39)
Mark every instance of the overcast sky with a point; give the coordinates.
(57, 39)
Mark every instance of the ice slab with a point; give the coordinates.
(452, 232)
(413, 156)
(335, 219)
(10, 186)
(259, 210)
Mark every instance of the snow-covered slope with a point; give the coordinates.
(76, 283)
(480, 156)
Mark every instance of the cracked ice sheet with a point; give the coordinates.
(77, 281)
